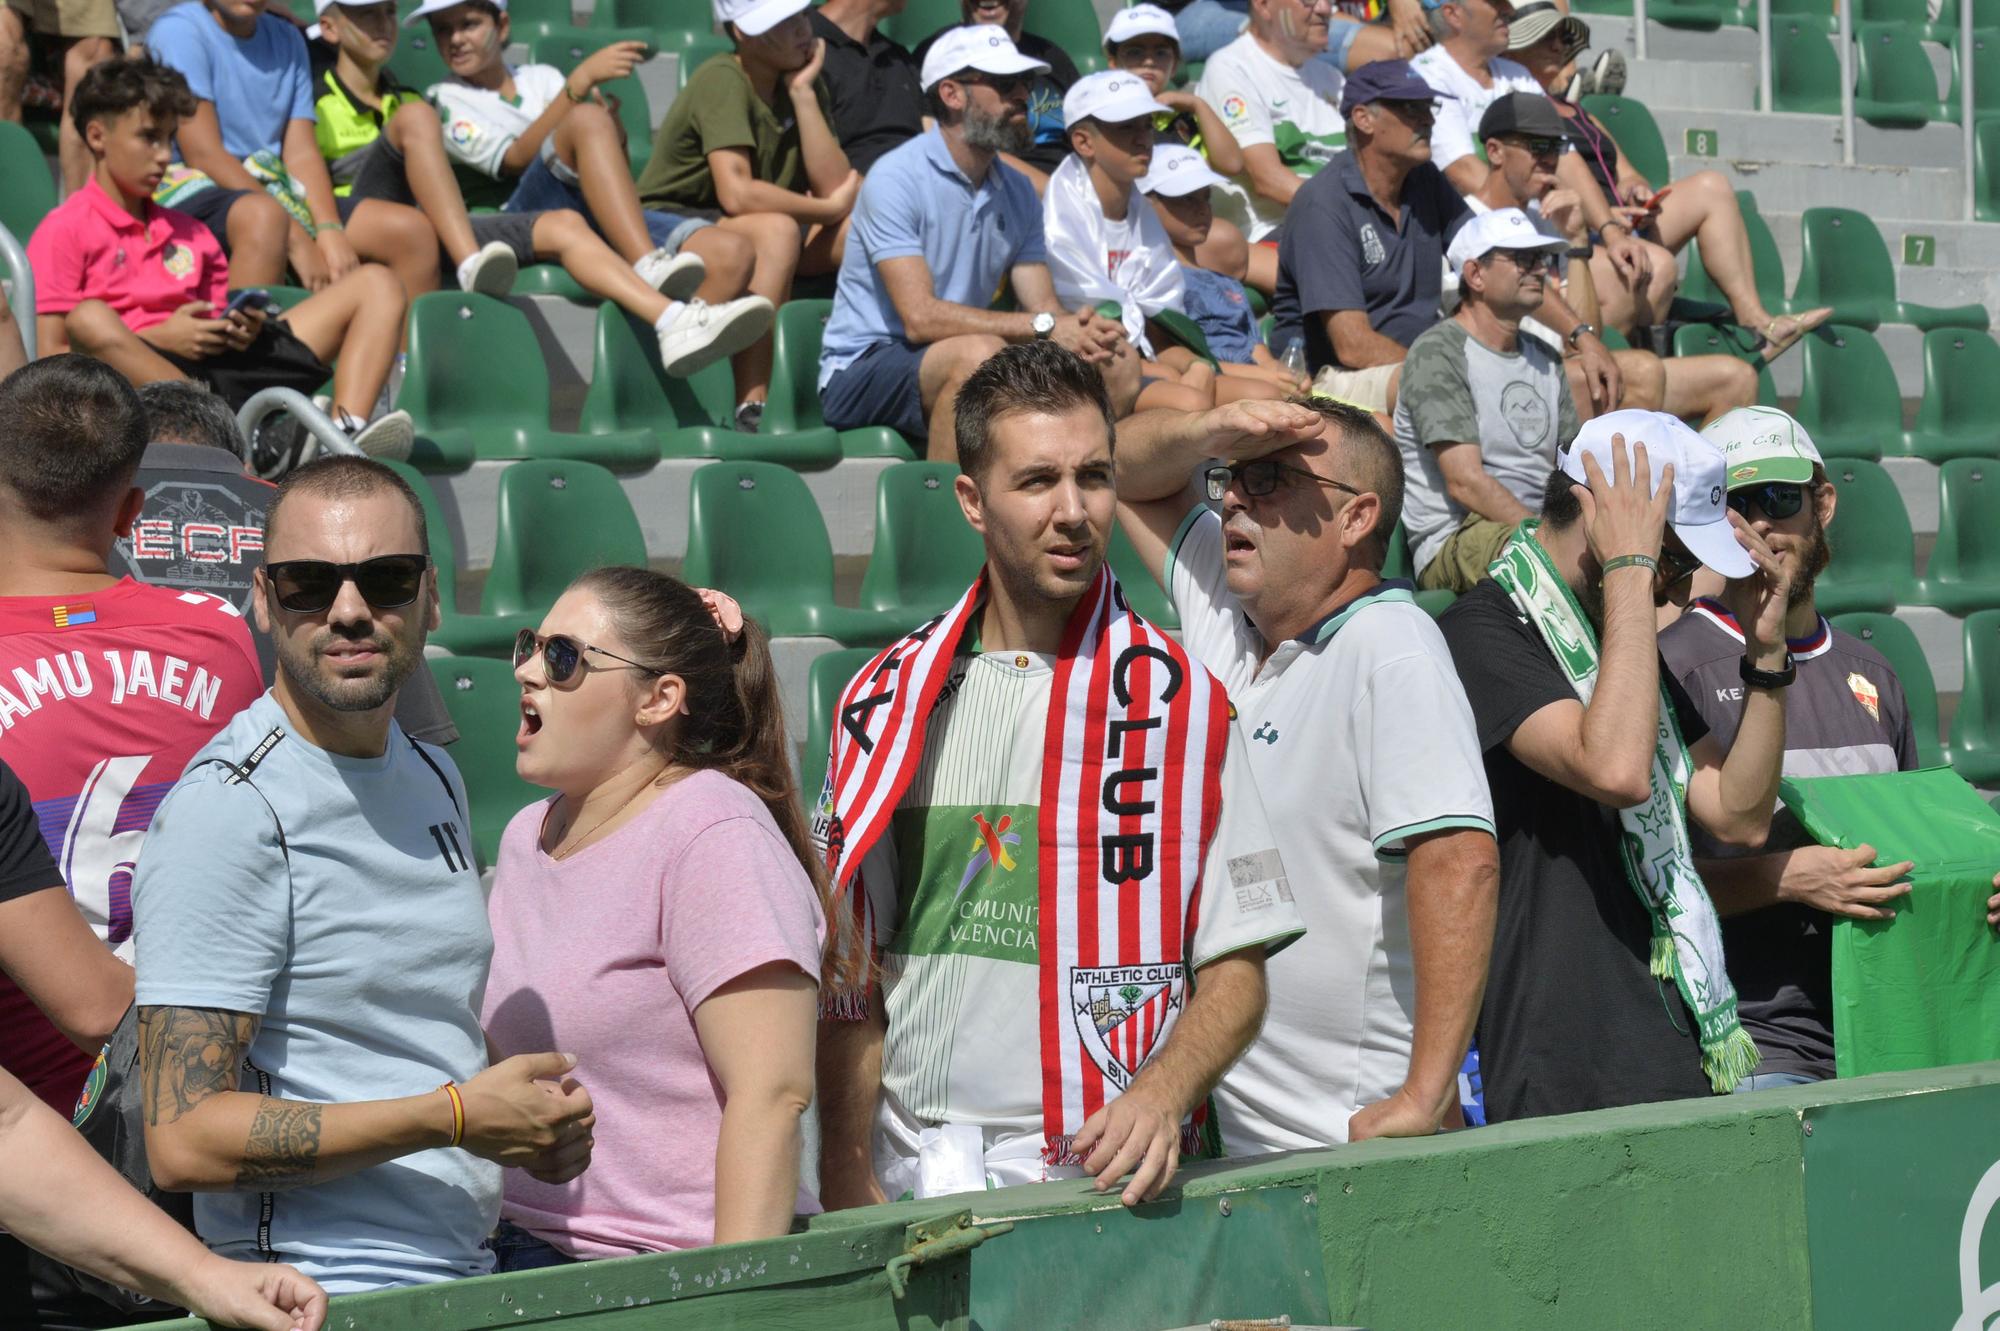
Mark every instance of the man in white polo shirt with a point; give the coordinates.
(1363, 746)
(1468, 69)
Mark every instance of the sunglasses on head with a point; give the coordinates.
(562, 656)
(1777, 499)
(1254, 480)
(308, 586)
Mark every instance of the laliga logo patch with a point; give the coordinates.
(462, 133)
(1233, 107)
(1866, 694)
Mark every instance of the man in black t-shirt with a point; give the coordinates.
(1573, 1017)
(1048, 141)
(878, 103)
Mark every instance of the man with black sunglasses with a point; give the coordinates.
(1487, 405)
(1845, 715)
(315, 920)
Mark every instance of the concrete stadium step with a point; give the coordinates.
(1721, 85)
(1751, 135)
(1784, 183)
(1724, 45)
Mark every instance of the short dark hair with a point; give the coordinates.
(1029, 376)
(1377, 465)
(345, 476)
(181, 411)
(71, 435)
(114, 87)
(1561, 509)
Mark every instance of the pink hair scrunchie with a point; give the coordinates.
(723, 609)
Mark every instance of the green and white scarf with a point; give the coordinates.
(1659, 863)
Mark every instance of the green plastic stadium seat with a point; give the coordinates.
(794, 404)
(1396, 560)
(461, 632)
(755, 532)
(566, 47)
(1070, 24)
(529, 19)
(1964, 572)
(416, 62)
(1986, 75)
(1848, 398)
(1435, 603)
(1875, 567)
(699, 50)
(556, 519)
(635, 114)
(925, 553)
(1975, 727)
(1960, 414)
(478, 389)
(1844, 262)
(825, 678)
(550, 279)
(1142, 593)
(1892, 637)
(1699, 15)
(1894, 83)
(485, 705)
(1805, 67)
(689, 418)
(1766, 264)
(1986, 170)
(676, 16)
(1729, 340)
(1638, 136)
(31, 187)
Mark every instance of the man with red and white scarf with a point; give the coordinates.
(1056, 886)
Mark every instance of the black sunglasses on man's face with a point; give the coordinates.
(1777, 500)
(309, 586)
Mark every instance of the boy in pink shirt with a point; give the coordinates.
(146, 289)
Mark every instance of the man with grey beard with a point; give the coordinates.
(941, 225)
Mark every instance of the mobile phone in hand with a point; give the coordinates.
(253, 299)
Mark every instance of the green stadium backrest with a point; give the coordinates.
(1844, 262)
(1960, 413)
(1435, 603)
(1142, 592)
(1765, 262)
(664, 16)
(556, 519)
(755, 532)
(1805, 67)
(794, 403)
(1185, 332)
(921, 18)
(1618, 7)
(31, 188)
(1985, 72)
(1986, 170)
(1699, 15)
(1893, 638)
(1848, 398)
(635, 115)
(1975, 727)
(1070, 24)
(461, 633)
(567, 47)
(1396, 561)
(689, 418)
(925, 553)
(529, 19)
(700, 49)
(1894, 84)
(1638, 136)
(415, 61)
(485, 705)
(825, 678)
(1729, 340)
(1875, 564)
(1964, 571)
(478, 388)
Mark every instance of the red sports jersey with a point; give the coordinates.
(103, 700)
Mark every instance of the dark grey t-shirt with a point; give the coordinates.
(1844, 715)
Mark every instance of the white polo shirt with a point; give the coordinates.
(1360, 738)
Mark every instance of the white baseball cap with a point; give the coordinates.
(1138, 21)
(1763, 444)
(1111, 96)
(424, 10)
(1178, 170)
(1500, 229)
(753, 18)
(985, 47)
(1700, 511)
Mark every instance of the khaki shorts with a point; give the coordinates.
(1461, 561)
(1364, 388)
(69, 18)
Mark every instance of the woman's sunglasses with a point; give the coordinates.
(1778, 499)
(308, 586)
(562, 657)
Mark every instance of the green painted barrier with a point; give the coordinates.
(1856, 1204)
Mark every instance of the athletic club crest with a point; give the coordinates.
(1121, 1012)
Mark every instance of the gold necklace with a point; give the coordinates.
(576, 845)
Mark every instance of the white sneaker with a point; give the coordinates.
(491, 272)
(675, 276)
(389, 437)
(704, 334)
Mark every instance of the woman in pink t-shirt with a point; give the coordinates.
(661, 918)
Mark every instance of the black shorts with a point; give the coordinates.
(277, 359)
(210, 207)
(383, 175)
(881, 386)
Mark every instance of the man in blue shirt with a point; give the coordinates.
(311, 1059)
(939, 229)
(1361, 253)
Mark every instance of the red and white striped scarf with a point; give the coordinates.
(1131, 795)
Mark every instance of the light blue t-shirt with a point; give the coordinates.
(361, 940)
(917, 202)
(257, 83)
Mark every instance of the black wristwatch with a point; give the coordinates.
(1768, 679)
(1576, 334)
(1583, 251)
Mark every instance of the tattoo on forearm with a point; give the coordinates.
(188, 1054)
(283, 1147)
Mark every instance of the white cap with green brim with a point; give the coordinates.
(1763, 444)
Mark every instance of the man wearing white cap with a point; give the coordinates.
(1608, 982)
(1485, 406)
(940, 226)
(1045, 143)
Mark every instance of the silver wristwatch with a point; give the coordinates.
(1044, 325)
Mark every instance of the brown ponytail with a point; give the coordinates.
(736, 720)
